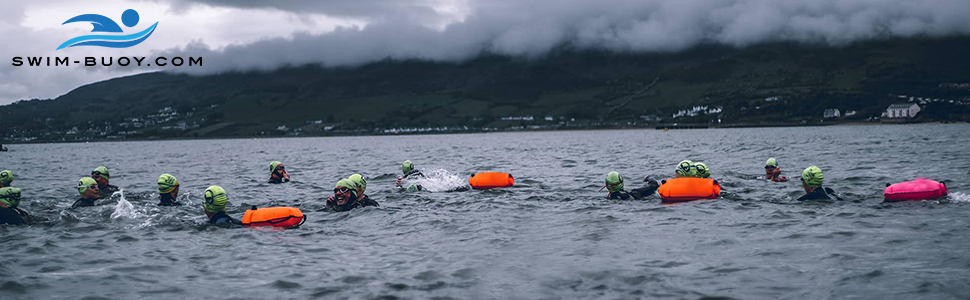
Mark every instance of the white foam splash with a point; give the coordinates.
(124, 209)
(438, 180)
(960, 197)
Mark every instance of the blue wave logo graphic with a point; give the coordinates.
(104, 24)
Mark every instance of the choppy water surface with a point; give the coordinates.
(551, 236)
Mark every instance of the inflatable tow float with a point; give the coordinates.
(683, 189)
(491, 180)
(919, 189)
(282, 217)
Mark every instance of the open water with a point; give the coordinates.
(552, 236)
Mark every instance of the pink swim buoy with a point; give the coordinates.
(919, 189)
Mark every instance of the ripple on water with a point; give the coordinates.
(284, 285)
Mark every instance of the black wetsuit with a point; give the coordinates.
(638, 193)
(107, 190)
(820, 194)
(83, 202)
(278, 179)
(221, 218)
(167, 200)
(13, 216)
(353, 203)
(413, 174)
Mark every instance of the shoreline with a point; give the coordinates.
(645, 127)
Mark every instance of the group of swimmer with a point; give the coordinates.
(349, 193)
(811, 181)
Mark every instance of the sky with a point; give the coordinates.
(262, 35)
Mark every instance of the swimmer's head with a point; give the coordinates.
(812, 176)
(6, 177)
(88, 188)
(407, 166)
(614, 182)
(10, 196)
(167, 183)
(273, 165)
(215, 199)
(100, 174)
(358, 181)
(344, 191)
(771, 163)
(685, 168)
(702, 170)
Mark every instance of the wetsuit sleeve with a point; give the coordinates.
(24, 215)
(414, 175)
(369, 202)
(832, 194)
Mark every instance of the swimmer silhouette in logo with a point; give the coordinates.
(101, 23)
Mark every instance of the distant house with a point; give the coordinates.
(902, 110)
(831, 113)
(849, 113)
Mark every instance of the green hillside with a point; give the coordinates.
(578, 87)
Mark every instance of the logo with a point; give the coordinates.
(105, 24)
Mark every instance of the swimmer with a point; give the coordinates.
(773, 172)
(6, 177)
(9, 212)
(88, 188)
(409, 173)
(812, 182)
(345, 197)
(361, 185)
(278, 173)
(614, 184)
(215, 206)
(686, 169)
(168, 190)
(100, 174)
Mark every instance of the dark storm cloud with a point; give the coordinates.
(530, 28)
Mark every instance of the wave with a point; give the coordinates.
(110, 41)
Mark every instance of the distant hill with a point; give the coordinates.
(770, 83)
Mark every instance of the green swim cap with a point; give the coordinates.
(101, 171)
(84, 183)
(812, 176)
(273, 165)
(614, 182)
(10, 196)
(702, 170)
(685, 168)
(359, 181)
(167, 183)
(771, 162)
(215, 199)
(407, 166)
(349, 184)
(6, 177)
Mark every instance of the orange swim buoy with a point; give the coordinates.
(286, 217)
(491, 180)
(683, 189)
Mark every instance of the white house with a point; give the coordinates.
(902, 110)
(831, 113)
